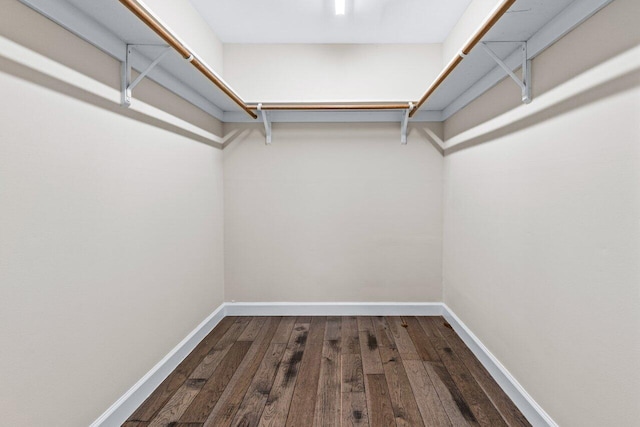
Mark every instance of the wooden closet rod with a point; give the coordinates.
(500, 10)
(147, 17)
(332, 106)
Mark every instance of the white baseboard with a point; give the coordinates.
(136, 395)
(529, 407)
(333, 309)
(118, 413)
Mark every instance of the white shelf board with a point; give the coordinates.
(110, 26)
(538, 22)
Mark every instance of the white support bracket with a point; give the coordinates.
(267, 124)
(404, 124)
(525, 82)
(127, 84)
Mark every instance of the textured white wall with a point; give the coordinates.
(303, 73)
(110, 237)
(542, 233)
(332, 212)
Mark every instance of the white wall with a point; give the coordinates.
(185, 21)
(110, 236)
(304, 73)
(332, 212)
(468, 23)
(542, 232)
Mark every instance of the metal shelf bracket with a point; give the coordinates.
(127, 84)
(267, 124)
(404, 124)
(525, 82)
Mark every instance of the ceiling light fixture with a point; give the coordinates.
(341, 6)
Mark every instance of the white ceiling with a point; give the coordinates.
(315, 21)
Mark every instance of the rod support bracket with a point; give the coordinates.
(404, 124)
(525, 82)
(267, 124)
(128, 85)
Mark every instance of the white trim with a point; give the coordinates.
(118, 413)
(527, 405)
(333, 309)
(136, 395)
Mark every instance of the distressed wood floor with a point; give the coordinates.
(329, 371)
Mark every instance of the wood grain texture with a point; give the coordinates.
(485, 413)
(327, 412)
(276, 409)
(255, 399)
(226, 408)
(371, 363)
(431, 409)
(161, 395)
(303, 404)
(350, 338)
(501, 401)
(354, 410)
(211, 361)
(329, 371)
(352, 375)
(206, 400)
(178, 404)
(405, 408)
(378, 401)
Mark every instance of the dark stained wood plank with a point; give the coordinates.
(420, 340)
(354, 410)
(284, 330)
(352, 375)
(405, 408)
(371, 363)
(255, 399)
(301, 411)
(350, 340)
(212, 360)
(213, 389)
(176, 379)
(304, 319)
(327, 412)
(277, 406)
(452, 400)
(401, 337)
(431, 409)
(253, 329)
(228, 404)
(505, 406)
(333, 331)
(485, 413)
(179, 402)
(135, 424)
(379, 402)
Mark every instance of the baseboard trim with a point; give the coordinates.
(136, 395)
(527, 405)
(118, 413)
(333, 309)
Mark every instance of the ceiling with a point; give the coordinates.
(315, 21)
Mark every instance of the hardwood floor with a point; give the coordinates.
(329, 371)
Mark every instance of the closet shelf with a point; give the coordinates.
(113, 28)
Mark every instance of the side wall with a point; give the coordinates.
(111, 234)
(332, 212)
(542, 231)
